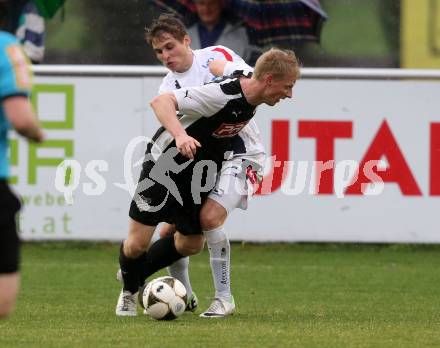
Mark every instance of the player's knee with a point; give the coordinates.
(189, 245)
(166, 230)
(212, 216)
(135, 247)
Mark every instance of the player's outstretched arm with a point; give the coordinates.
(165, 107)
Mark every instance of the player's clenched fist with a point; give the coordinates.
(187, 145)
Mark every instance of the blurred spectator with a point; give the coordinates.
(25, 22)
(214, 28)
(30, 32)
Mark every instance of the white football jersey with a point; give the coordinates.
(199, 74)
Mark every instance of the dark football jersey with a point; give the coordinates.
(171, 187)
(213, 114)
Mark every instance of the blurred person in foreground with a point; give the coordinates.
(172, 184)
(215, 28)
(169, 39)
(15, 110)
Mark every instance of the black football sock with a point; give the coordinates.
(130, 269)
(161, 254)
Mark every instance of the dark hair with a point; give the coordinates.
(4, 11)
(166, 23)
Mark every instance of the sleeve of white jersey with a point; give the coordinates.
(166, 85)
(202, 101)
(230, 67)
(224, 53)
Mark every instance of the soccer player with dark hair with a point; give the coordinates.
(168, 38)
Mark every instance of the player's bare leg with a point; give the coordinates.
(188, 245)
(212, 218)
(179, 270)
(9, 284)
(131, 262)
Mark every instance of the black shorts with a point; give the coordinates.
(162, 205)
(9, 241)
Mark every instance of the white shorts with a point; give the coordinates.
(236, 184)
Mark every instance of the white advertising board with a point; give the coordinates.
(331, 126)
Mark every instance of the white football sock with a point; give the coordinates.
(220, 253)
(179, 270)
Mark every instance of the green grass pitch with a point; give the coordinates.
(287, 295)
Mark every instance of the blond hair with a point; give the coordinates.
(277, 62)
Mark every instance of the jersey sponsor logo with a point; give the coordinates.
(177, 84)
(229, 129)
(19, 63)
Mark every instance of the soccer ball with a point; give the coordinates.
(163, 298)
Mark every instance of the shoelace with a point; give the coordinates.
(127, 302)
(215, 306)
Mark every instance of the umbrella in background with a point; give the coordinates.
(48, 8)
(184, 9)
(269, 22)
(281, 22)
